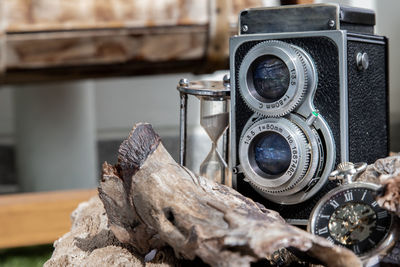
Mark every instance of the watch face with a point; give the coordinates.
(352, 218)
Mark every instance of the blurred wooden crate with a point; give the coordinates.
(43, 40)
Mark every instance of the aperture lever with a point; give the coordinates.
(312, 117)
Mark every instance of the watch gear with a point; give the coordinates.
(349, 215)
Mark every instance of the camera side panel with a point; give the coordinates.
(368, 100)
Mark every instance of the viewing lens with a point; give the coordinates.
(270, 77)
(272, 153)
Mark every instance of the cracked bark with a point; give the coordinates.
(152, 202)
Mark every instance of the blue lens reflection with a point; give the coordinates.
(272, 153)
(270, 77)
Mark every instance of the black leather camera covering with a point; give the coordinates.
(368, 102)
(327, 100)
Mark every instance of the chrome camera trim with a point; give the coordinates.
(298, 149)
(299, 116)
(300, 71)
(306, 108)
(295, 188)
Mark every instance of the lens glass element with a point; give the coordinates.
(270, 77)
(272, 153)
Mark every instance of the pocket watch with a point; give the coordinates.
(349, 215)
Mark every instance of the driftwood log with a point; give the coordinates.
(91, 243)
(152, 202)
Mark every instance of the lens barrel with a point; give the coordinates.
(274, 154)
(280, 157)
(274, 77)
(281, 153)
(286, 149)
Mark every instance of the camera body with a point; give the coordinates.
(309, 89)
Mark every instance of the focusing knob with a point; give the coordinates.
(274, 77)
(274, 154)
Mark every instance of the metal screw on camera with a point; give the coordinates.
(331, 23)
(362, 61)
(245, 28)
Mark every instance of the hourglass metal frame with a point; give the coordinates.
(210, 90)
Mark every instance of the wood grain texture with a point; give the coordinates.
(45, 15)
(38, 35)
(55, 15)
(151, 202)
(91, 243)
(37, 218)
(104, 47)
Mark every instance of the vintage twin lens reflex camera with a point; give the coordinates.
(309, 89)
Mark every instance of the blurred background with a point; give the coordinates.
(77, 75)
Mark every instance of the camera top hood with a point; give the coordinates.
(301, 18)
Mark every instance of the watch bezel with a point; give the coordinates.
(384, 245)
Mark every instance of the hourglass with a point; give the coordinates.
(214, 118)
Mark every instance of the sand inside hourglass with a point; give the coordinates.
(214, 120)
(215, 124)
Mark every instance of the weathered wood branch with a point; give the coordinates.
(386, 172)
(90, 242)
(390, 199)
(151, 202)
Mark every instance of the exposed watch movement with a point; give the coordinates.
(350, 216)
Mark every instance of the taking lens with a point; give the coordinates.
(272, 153)
(270, 77)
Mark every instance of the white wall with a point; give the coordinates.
(55, 128)
(388, 22)
(122, 102)
(119, 103)
(6, 115)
